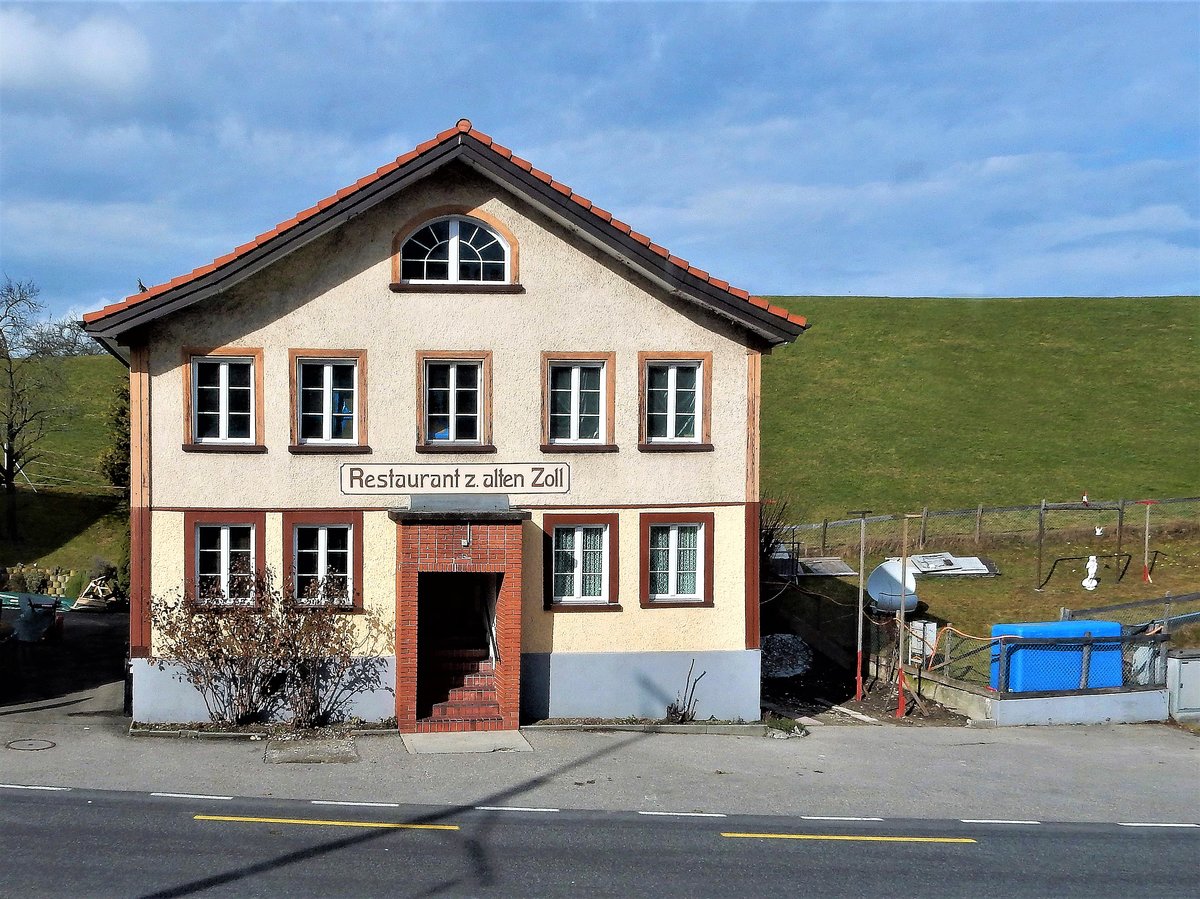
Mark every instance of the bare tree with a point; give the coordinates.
(60, 337)
(26, 389)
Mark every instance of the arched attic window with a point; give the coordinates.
(455, 250)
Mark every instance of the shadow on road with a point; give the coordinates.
(475, 847)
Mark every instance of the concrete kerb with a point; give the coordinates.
(730, 730)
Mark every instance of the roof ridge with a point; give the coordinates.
(463, 127)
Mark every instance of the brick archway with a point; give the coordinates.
(483, 692)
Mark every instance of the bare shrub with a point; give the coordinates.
(264, 657)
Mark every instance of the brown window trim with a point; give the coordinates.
(484, 445)
(223, 448)
(580, 448)
(451, 287)
(437, 212)
(549, 523)
(705, 520)
(704, 438)
(255, 354)
(359, 358)
(355, 522)
(328, 449)
(675, 448)
(608, 432)
(236, 517)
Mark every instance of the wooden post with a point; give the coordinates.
(978, 524)
(862, 569)
(824, 536)
(1120, 525)
(1146, 548)
(924, 524)
(1002, 680)
(1041, 541)
(1085, 668)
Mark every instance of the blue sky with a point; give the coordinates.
(897, 149)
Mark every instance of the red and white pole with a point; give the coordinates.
(1146, 541)
(862, 573)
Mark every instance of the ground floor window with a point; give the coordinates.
(581, 560)
(323, 564)
(677, 558)
(225, 564)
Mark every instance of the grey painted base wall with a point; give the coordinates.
(619, 684)
(165, 697)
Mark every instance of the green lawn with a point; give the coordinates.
(896, 404)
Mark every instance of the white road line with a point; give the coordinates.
(511, 808)
(685, 814)
(189, 796)
(363, 804)
(995, 821)
(29, 787)
(836, 818)
(1152, 824)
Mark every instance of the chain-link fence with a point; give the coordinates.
(1124, 521)
(1017, 664)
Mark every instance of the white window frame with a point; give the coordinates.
(576, 368)
(577, 596)
(323, 563)
(225, 598)
(455, 254)
(452, 437)
(326, 400)
(672, 394)
(673, 563)
(223, 402)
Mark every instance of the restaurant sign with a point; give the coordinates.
(381, 478)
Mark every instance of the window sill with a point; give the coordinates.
(328, 449)
(584, 607)
(579, 448)
(224, 448)
(676, 604)
(450, 287)
(675, 447)
(473, 448)
(313, 607)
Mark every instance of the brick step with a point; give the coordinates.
(447, 725)
(475, 654)
(460, 666)
(449, 680)
(480, 693)
(466, 710)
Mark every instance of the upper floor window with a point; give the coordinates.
(455, 250)
(223, 400)
(454, 402)
(675, 402)
(576, 401)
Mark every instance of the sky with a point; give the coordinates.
(896, 149)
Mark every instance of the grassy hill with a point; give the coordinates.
(73, 518)
(895, 404)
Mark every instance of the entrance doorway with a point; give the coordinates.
(456, 645)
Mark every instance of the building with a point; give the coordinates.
(470, 398)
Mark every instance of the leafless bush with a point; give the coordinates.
(265, 657)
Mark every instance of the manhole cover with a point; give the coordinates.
(30, 745)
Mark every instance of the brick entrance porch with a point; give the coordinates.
(453, 686)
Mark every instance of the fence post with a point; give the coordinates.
(924, 524)
(1002, 683)
(978, 523)
(1120, 525)
(1085, 668)
(824, 534)
(1167, 613)
(1041, 540)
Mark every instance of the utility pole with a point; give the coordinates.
(862, 574)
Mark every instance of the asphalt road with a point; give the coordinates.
(100, 843)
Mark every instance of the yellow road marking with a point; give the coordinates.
(387, 824)
(846, 837)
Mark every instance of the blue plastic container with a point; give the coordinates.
(1041, 668)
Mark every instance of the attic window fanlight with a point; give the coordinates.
(454, 250)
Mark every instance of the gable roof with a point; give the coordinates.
(772, 324)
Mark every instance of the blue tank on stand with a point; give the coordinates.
(1047, 668)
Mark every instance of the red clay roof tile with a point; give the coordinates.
(463, 126)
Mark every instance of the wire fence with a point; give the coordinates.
(1167, 613)
(1028, 665)
(1125, 521)
(65, 471)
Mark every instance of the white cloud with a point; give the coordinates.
(98, 55)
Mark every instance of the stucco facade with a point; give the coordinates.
(571, 294)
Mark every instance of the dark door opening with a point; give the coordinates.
(456, 614)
